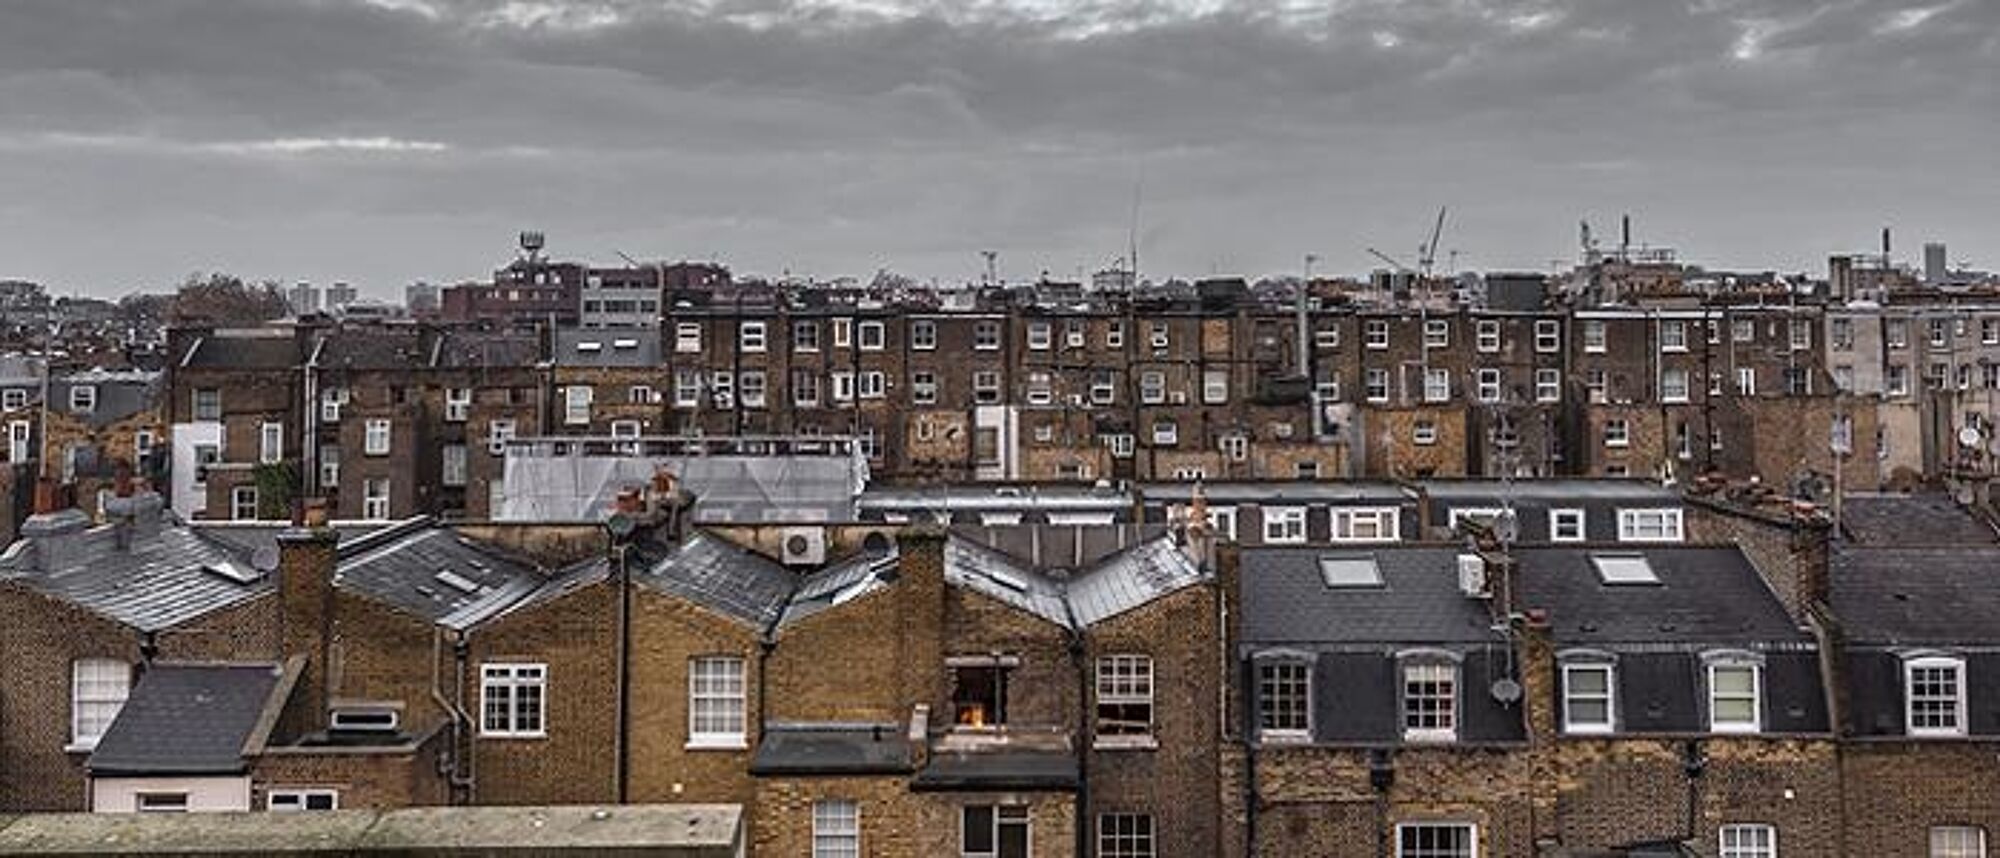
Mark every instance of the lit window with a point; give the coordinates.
(98, 688)
(1125, 835)
(1748, 841)
(1934, 696)
(1733, 695)
(1284, 700)
(715, 702)
(1430, 701)
(513, 699)
(1587, 698)
(1124, 696)
(836, 829)
(1437, 840)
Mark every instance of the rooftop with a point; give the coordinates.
(189, 719)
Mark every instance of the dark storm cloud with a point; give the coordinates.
(381, 141)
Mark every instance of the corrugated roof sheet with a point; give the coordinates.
(186, 719)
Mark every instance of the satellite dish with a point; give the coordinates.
(265, 558)
(1507, 691)
(1969, 437)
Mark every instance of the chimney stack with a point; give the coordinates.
(306, 560)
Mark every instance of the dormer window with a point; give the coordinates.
(1284, 699)
(1587, 694)
(1735, 686)
(83, 398)
(1430, 698)
(1934, 696)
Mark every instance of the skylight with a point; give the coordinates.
(1350, 570)
(1624, 569)
(233, 571)
(457, 582)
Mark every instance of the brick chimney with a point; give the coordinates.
(920, 580)
(306, 558)
(55, 531)
(1789, 543)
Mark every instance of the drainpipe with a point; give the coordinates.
(1085, 824)
(1694, 764)
(149, 649)
(622, 737)
(1382, 776)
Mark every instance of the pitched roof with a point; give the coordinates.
(438, 574)
(187, 719)
(1285, 599)
(243, 351)
(1705, 595)
(1946, 595)
(1911, 520)
(476, 349)
(995, 574)
(160, 580)
(839, 582)
(634, 347)
(721, 576)
(119, 394)
(1131, 578)
(1060, 546)
(374, 348)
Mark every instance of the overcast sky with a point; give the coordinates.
(382, 141)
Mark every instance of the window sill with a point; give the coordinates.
(1283, 737)
(720, 743)
(1125, 743)
(79, 747)
(497, 735)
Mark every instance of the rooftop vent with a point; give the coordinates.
(457, 582)
(1350, 570)
(1618, 569)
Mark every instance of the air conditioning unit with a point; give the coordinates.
(1472, 576)
(803, 546)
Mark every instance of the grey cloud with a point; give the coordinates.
(835, 138)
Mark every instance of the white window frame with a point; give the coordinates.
(872, 336)
(1564, 518)
(13, 399)
(923, 387)
(1957, 841)
(375, 437)
(1432, 671)
(1747, 840)
(704, 672)
(871, 384)
(1215, 386)
(1548, 335)
(751, 337)
(836, 828)
(576, 404)
(1488, 384)
(1424, 433)
(986, 335)
(243, 503)
(1376, 392)
(513, 678)
(1289, 523)
(1437, 384)
(1755, 697)
(375, 498)
(270, 442)
(1471, 829)
(752, 388)
(298, 799)
(1673, 336)
(498, 433)
(1488, 335)
(1617, 432)
(1152, 387)
(923, 335)
(1041, 335)
(1651, 525)
(160, 801)
(805, 336)
(86, 401)
(687, 337)
(1124, 679)
(1609, 697)
(107, 686)
(1669, 392)
(1284, 661)
(1437, 334)
(1347, 522)
(1375, 334)
(1548, 385)
(457, 404)
(1934, 662)
(454, 465)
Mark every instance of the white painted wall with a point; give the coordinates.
(186, 498)
(121, 795)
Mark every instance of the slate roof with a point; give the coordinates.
(237, 351)
(488, 348)
(187, 719)
(856, 575)
(1286, 601)
(1060, 546)
(990, 572)
(438, 574)
(629, 347)
(733, 581)
(1937, 596)
(1911, 520)
(374, 348)
(1709, 595)
(119, 394)
(1277, 492)
(1010, 769)
(1130, 579)
(1633, 491)
(157, 582)
(832, 749)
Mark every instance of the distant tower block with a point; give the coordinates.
(1935, 267)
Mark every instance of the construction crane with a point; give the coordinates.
(1428, 251)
